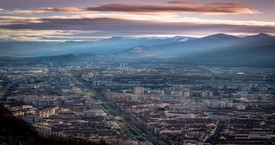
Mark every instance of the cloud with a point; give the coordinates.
(4, 20)
(107, 27)
(48, 35)
(41, 10)
(64, 9)
(180, 2)
(233, 8)
(171, 6)
(125, 19)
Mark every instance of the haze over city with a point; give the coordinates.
(121, 72)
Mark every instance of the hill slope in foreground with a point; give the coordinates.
(16, 131)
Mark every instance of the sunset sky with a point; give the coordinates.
(85, 20)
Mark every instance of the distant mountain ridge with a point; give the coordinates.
(218, 48)
(101, 47)
(215, 44)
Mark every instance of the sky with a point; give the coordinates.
(89, 20)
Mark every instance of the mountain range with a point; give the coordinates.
(100, 47)
(214, 45)
(258, 49)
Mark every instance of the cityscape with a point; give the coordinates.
(143, 103)
(165, 72)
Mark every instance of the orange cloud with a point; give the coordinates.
(234, 8)
(171, 6)
(180, 2)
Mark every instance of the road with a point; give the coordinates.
(11, 88)
(129, 128)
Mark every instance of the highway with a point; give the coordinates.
(131, 130)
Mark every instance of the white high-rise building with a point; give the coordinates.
(139, 90)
